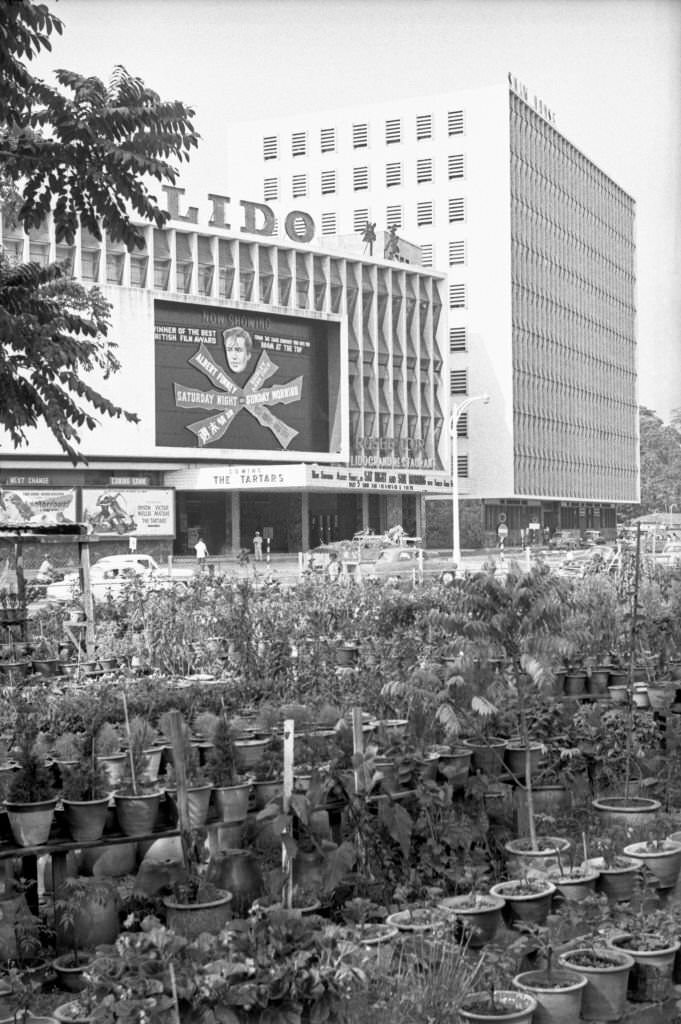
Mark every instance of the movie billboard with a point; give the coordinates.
(47, 507)
(232, 379)
(148, 512)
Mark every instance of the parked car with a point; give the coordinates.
(670, 554)
(399, 563)
(594, 559)
(565, 540)
(111, 574)
(592, 537)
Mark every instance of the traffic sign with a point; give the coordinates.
(502, 530)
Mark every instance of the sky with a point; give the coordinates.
(609, 69)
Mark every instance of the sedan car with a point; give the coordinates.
(402, 563)
(111, 574)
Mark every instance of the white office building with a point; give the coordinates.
(539, 247)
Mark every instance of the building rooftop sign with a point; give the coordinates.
(533, 100)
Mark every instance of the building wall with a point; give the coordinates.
(574, 345)
(454, 172)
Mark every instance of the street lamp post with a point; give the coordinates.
(456, 414)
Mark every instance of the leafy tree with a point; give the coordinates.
(84, 151)
(660, 461)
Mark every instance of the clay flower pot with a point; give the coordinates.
(650, 979)
(664, 862)
(559, 997)
(606, 972)
(481, 913)
(509, 1007)
(528, 900)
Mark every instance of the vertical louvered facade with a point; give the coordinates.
(573, 313)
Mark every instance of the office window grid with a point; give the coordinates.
(328, 223)
(455, 166)
(299, 144)
(462, 425)
(393, 174)
(359, 219)
(360, 136)
(394, 216)
(328, 183)
(328, 140)
(457, 210)
(424, 213)
(427, 255)
(360, 178)
(393, 131)
(455, 122)
(457, 296)
(424, 126)
(457, 253)
(270, 189)
(270, 147)
(299, 185)
(458, 382)
(424, 170)
(457, 339)
(462, 466)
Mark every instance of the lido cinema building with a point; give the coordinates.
(279, 387)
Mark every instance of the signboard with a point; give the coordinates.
(229, 379)
(141, 513)
(502, 531)
(390, 453)
(47, 506)
(301, 477)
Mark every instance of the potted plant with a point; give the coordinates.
(137, 799)
(31, 799)
(651, 939)
(45, 657)
(231, 794)
(606, 971)
(86, 911)
(109, 753)
(661, 856)
(558, 991)
(85, 797)
(199, 789)
(507, 1006)
(142, 736)
(526, 899)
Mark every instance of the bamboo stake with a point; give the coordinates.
(358, 746)
(286, 862)
(173, 992)
(177, 742)
(130, 752)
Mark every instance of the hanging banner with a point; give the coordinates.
(149, 512)
(47, 507)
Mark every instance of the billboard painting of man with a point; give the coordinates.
(238, 348)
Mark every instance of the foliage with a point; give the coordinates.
(32, 781)
(222, 760)
(85, 781)
(85, 151)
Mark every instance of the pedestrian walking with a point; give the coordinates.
(257, 546)
(201, 552)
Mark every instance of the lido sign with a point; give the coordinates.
(258, 218)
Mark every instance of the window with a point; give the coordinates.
(457, 296)
(462, 466)
(393, 131)
(462, 425)
(328, 183)
(138, 270)
(270, 189)
(184, 262)
(393, 216)
(270, 147)
(455, 166)
(328, 223)
(427, 255)
(299, 185)
(299, 143)
(424, 170)
(115, 263)
(424, 126)
(457, 253)
(360, 178)
(455, 122)
(360, 219)
(457, 339)
(457, 210)
(360, 136)
(393, 174)
(424, 213)
(161, 260)
(458, 382)
(328, 140)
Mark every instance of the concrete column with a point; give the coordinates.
(393, 510)
(305, 520)
(365, 511)
(421, 516)
(236, 521)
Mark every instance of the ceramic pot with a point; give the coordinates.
(191, 919)
(198, 803)
(86, 818)
(521, 860)
(482, 915)
(627, 812)
(662, 695)
(249, 753)
(530, 906)
(114, 765)
(664, 863)
(515, 758)
(606, 971)
(70, 974)
(575, 684)
(650, 979)
(232, 802)
(455, 767)
(575, 883)
(31, 822)
(137, 814)
(488, 757)
(514, 1007)
(617, 883)
(418, 919)
(559, 998)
